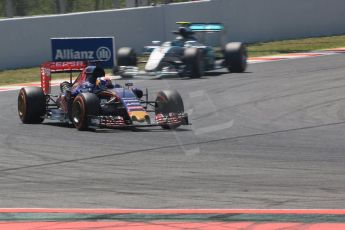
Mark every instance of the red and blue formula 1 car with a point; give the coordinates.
(92, 101)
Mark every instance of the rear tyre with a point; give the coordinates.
(126, 56)
(84, 105)
(194, 60)
(31, 105)
(169, 101)
(235, 55)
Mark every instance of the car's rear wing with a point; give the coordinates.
(216, 29)
(48, 68)
(203, 27)
(206, 27)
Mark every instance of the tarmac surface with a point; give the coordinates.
(270, 138)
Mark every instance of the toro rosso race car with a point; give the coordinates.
(92, 101)
(185, 55)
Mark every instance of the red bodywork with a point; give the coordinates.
(48, 68)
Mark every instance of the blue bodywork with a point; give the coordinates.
(129, 99)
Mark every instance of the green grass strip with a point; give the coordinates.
(8, 77)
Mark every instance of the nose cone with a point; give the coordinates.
(155, 58)
(151, 65)
(140, 116)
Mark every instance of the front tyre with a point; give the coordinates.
(194, 60)
(31, 105)
(169, 101)
(126, 56)
(84, 105)
(235, 55)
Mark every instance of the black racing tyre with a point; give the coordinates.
(84, 105)
(115, 70)
(31, 105)
(126, 56)
(194, 60)
(235, 55)
(169, 101)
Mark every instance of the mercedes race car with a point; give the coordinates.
(185, 55)
(92, 101)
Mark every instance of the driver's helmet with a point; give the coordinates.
(104, 83)
(185, 32)
(94, 72)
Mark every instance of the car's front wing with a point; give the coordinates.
(116, 122)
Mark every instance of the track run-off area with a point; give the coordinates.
(271, 138)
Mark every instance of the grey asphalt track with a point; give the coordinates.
(273, 137)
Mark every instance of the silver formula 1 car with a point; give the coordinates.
(185, 55)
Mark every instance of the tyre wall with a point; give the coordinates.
(25, 42)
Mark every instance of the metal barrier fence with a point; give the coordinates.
(25, 41)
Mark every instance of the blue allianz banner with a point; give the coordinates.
(97, 49)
